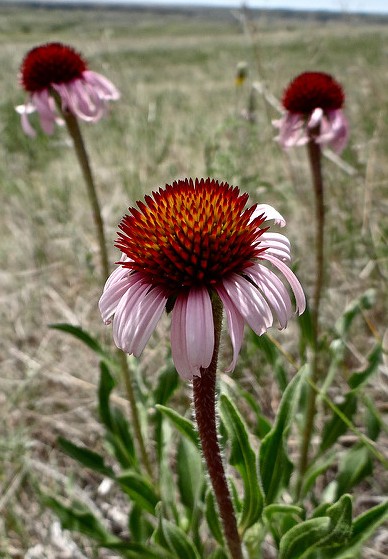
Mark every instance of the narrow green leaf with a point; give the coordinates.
(366, 301)
(362, 529)
(83, 336)
(218, 554)
(85, 456)
(317, 467)
(190, 474)
(358, 379)
(105, 388)
(174, 539)
(213, 518)
(306, 329)
(302, 538)
(184, 425)
(280, 518)
(327, 531)
(274, 464)
(353, 467)
(140, 528)
(336, 427)
(373, 420)
(242, 457)
(139, 489)
(168, 382)
(77, 517)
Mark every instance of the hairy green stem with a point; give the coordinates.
(204, 390)
(83, 159)
(314, 154)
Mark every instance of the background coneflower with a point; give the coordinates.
(54, 72)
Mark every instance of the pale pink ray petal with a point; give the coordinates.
(111, 297)
(291, 278)
(277, 244)
(269, 212)
(24, 111)
(341, 130)
(178, 340)
(235, 324)
(46, 110)
(199, 328)
(104, 86)
(315, 118)
(123, 318)
(273, 290)
(249, 302)
(291, 130)
(86, 101)
(146, 314)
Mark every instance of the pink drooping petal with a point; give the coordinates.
(276, 244)
(235, 324)
(86, 103)
(340, 128)
(24, 111)
(270, 213)
(192, 332)
(113, 292)
(274, 291)
(315, 118)
(46, 109)
(136, 316)
(291, 278)
(104, 87)
(249, 302)
(292, 130)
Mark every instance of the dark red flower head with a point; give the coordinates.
(313, 90)
(50, 63)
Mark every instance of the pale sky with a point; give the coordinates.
(347, 6)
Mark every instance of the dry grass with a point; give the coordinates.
(178, 116)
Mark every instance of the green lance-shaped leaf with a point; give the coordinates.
(274, 464)
(316, 468)
(190, 474)
(213, 518)
(362, 528)
(77, 517)
(139, 489)
(85, 456)
(356, 380)
(327, 531)
(353, 467)
(174, 539)
(167, 383)
(83, 337)
(281, 517)
(139, 525)
(366, 301)
(336, 427)
(242, 457)
(118, 434)
(184, 425)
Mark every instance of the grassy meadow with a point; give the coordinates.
(180, 114)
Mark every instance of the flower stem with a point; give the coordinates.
(204, 390)
(315, 156)
(83, 159)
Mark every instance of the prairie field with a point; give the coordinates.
(180, 114)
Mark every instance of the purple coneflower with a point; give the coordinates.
(57, 70)
(186, 243)
(313, 102)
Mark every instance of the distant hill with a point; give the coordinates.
(197, 11)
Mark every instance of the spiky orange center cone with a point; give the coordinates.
(52, 63)
(191, 233)
(312, 90)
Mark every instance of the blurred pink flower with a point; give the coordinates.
(187, 242)
(313, 102)
(56, 70)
